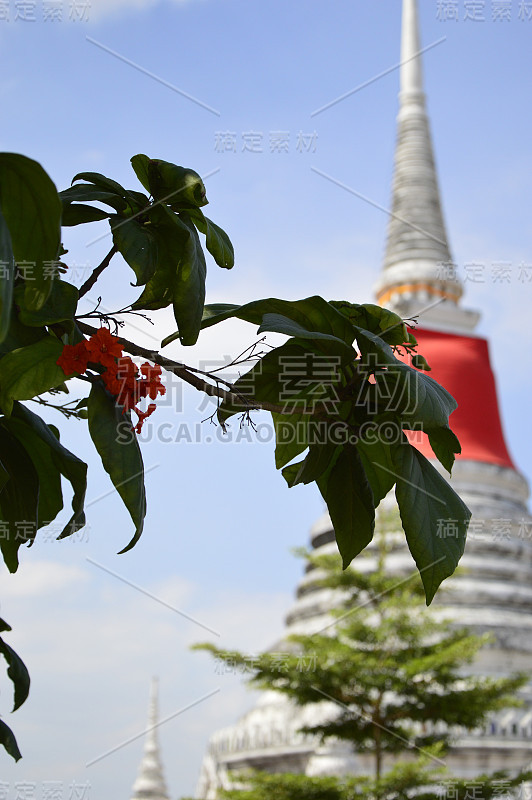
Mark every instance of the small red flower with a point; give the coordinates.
(142, 415)
(151, 380)
(104, 348)
(74, 358)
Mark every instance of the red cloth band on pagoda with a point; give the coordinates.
(462, 365)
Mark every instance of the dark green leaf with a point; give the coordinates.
(4, 626)
(19, 498)
(107, 184)
(87, 192)
(172, 237)
(20, 335)
(17, 673)
(140, 165)
(30, 371)
(349, 498)
(188, 290)
(7, 739)
(121, 456)
(180, 273)
(60, 307)
(273, 380)
(138, 246)
(32, 211)
(50, 494)
(80, 213)
(419, 362)
(445, 444)
(376, 353)
(434, 518)
(69, 465)
(7, 278)
(218, 242)
(4, 476)
(378, 465)
(314, 465)
(291, 437)
(176, 186)
(386, 324)
(277, 323)
(312, 313)
(416, 396)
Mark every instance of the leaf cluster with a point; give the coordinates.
(334, 388)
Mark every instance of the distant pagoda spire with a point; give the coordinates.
(150, 783)
(417, 263)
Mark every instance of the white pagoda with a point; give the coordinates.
(494, 591)
(150, 783)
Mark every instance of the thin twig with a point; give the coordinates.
(89, 283)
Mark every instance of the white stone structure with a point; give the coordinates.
(494, 592)
(150, 783)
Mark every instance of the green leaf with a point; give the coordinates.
(434, 518)
(419, 362)
(30, 371)
(80, 213)
(60, 307)
(188, 290)
(69, 465)
(17, 673)
(87, 192)
(7, 739)
(444, 444)
(50, 494)
(273, 380)
(107, 184)
(291, 437)
(172, 239)
(416, 395)
(4, 477)
(140, 164)
(137, 245)
(218, 242)
(7, 278)
(312, 313)
(4, 626)
(277, 323)
(386, 324)
(378, 465)
(376, 353)
(32, 211)
(176, 186)
(20, 335)
(19, 498)
(122, 460)
(314, 465)
(349, 498)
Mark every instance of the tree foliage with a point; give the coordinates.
(333, 387)
(393, 676)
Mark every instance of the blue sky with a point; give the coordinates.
(220, 520)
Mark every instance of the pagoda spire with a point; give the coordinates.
(150, 783)
(417, 265)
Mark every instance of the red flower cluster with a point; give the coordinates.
(121, 377)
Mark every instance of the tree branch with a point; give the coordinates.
(89, 283)
(190, 376)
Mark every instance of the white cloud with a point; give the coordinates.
(106, 8)
(91, 650)
(38, 579)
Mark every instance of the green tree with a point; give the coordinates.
(350, 379)
(394, 671)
